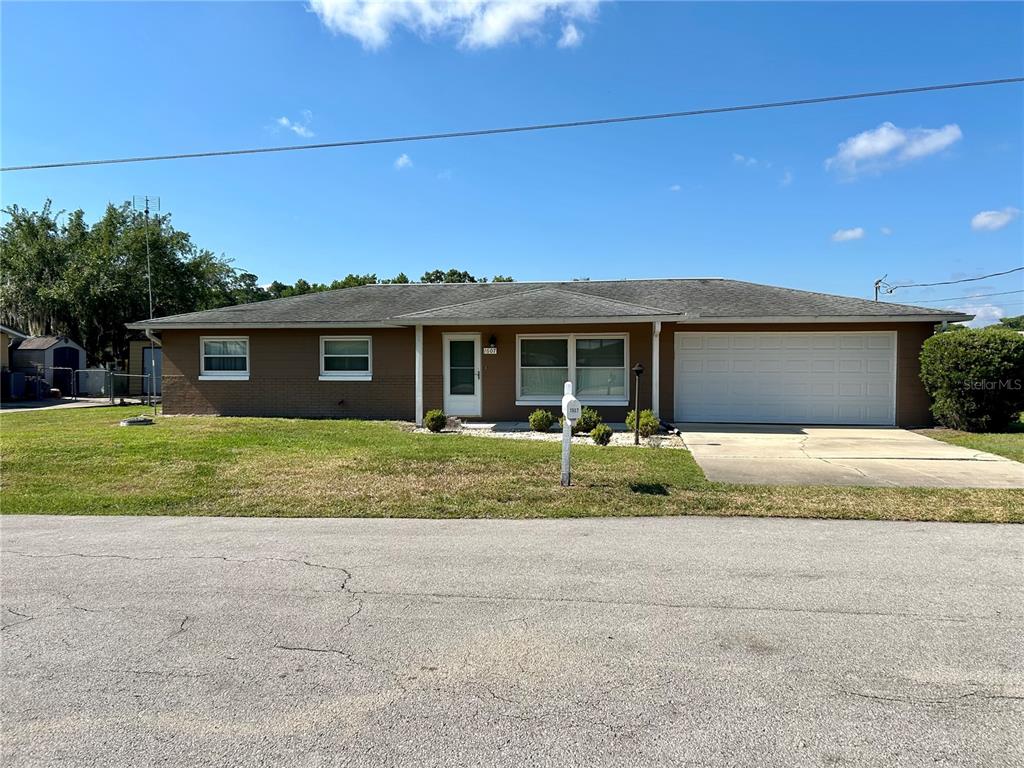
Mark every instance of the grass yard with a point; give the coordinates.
(80, 462)
(1009, 444)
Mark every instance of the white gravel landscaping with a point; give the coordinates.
(520, 430)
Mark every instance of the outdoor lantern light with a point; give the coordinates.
(638, 371)
(493, 341)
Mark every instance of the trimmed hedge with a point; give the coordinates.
(975, 378)
(649, 423)
(541, 420)
(601, 434)
(435, 420)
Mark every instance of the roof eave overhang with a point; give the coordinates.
(952, 317)
(938, 318)
(157, 327)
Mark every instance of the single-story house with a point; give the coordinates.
(713, 350)
(54, 358)
(8, 336)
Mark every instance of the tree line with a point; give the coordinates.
(61, 275)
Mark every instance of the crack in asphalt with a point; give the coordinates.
(224, 558)
(667, 605)
(181, 627)
(923, 700)
(309, 649)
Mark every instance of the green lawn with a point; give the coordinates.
(81, 462)
(1009, 444)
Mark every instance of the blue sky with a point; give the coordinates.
(822, 198)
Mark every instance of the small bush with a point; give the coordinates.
(601, 434)
(588, 421)
(649, 423)
(975, 378)
(435, 420)
(541, 420)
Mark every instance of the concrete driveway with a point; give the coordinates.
(604, 642)
(779, 454)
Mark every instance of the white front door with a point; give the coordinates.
(786, 377)
(462, 374)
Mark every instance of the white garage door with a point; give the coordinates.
(786, 378)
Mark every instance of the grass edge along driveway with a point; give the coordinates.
(80, 462)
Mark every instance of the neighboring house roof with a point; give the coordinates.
(12, 333)
(44, 342)
(684, 299)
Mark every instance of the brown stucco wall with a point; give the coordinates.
(498, 374)
(912, 402)
(285, 368)
(283, 380)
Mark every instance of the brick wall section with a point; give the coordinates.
(285, 366)
(912, 401)
(284, 377)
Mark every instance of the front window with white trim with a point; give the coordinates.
(224, 357)
(348, 358)
(594, 363)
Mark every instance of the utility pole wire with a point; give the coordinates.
(890, 288)
(975, 296)
(522, 128)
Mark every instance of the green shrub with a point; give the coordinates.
(435, 420)
(589, 418)
(541, 420)
(649, 423)
(975, 378)
(601, 434)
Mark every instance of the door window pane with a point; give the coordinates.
(461, 354)
(462, 381)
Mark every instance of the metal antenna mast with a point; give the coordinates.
(146, 201)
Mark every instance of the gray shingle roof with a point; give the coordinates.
(40, 342)
(685, 298)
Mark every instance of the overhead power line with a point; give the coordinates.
(975, 296)
(890, 288)
(522, 128)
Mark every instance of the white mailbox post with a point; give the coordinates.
(571, 409)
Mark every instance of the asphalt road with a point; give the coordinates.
(673, 641)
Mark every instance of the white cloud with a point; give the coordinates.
(674, 188)
(299, 128)
(984, 313)
(571, 36)
(787, 178)
(889, 145)
(743, 159)
(445, 175)
(403, 161)
(843, 235)
(990, 221)
(474, 23)
(886, 231)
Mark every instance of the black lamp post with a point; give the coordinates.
(638, 371)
